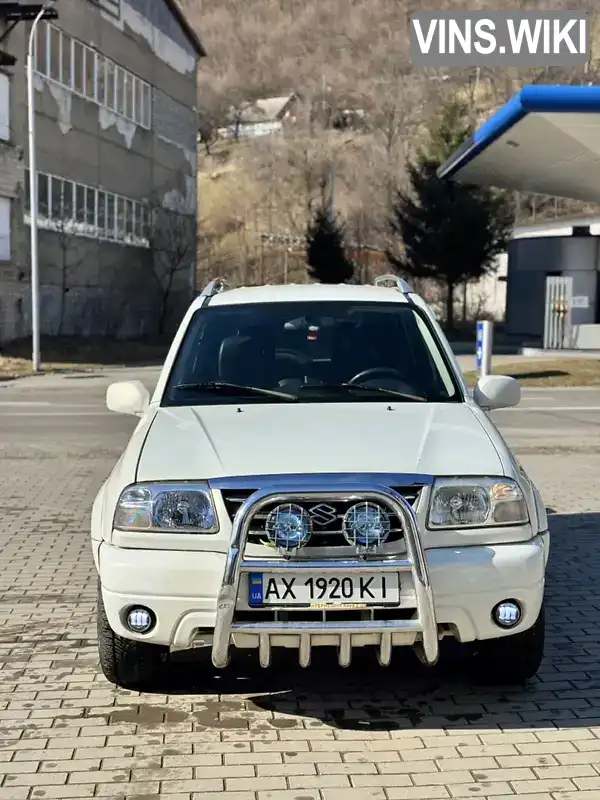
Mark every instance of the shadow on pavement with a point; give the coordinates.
(538, 374)
(406, 695)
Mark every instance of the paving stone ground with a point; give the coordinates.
(283, 734)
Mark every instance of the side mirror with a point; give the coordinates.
(127, 397)
(497, 391)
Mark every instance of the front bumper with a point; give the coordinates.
(197, 596)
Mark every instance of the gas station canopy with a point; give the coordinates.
(545, 140)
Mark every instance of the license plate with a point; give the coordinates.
(316, 590)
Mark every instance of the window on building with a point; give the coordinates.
(68, 201)
(147, 106)
(55, 54)
(43, 186)
(41, 54)
(128, 104)
(121, 226)
(95, 212)
(66, 47)
(110, 216)
(101, 79)
(121, 91)
(4, 107)
(56, 198)
(5, 228)
(129, 219)
(80, 205)
(139, 231)
(138, 102)
(78, 67)
(89, 72)
(81, 68)
(90, 208)
(101, 218)
(111, 83)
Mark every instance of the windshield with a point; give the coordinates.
(310, 352)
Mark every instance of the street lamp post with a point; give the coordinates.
(33, 193)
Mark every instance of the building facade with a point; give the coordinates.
(562, 247)
(116, 128)
(262, 117)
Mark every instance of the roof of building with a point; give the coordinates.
(266, 109)
(561, 226)
(191, 34)
(545, 140)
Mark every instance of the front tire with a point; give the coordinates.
(511, 659)
(128, 663)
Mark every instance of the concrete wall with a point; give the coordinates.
(110, 286)
(530, 261)
(586, 337)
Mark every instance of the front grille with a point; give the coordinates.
(326, 517)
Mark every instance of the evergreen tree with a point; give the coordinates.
(325, 250)
(448, 232)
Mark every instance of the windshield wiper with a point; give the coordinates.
(357, 387)
(232, 389)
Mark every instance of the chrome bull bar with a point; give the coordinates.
(424, 625)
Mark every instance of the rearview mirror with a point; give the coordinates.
(497, 391)
(127, 397)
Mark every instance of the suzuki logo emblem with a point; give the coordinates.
(322, 514)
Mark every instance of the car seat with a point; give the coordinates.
(247, 360)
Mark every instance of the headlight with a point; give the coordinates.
(476, 502)
(166, 507)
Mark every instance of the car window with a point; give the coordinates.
(434, 353)
(312, 351)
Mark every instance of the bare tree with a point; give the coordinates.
(222, 110)
(360, 238)
(347, 60)
(73, 240)
(171, 238)
(210, 120)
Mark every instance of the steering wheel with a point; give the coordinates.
(376, 372)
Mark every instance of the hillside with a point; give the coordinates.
(337, 54)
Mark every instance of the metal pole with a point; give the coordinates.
(33, 200)
(485, 334)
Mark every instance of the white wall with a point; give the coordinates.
(486, 298)
(488, 295)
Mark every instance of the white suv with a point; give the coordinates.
(312, 470)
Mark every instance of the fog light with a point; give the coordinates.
(507, 614)
(139, 619)
(366, 525)
(288, 527)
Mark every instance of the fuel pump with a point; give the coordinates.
(560, 310)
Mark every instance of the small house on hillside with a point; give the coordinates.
(261, 117)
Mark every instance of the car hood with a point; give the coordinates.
(204, 442)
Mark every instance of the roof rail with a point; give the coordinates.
(400, 283)
(216, 286)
